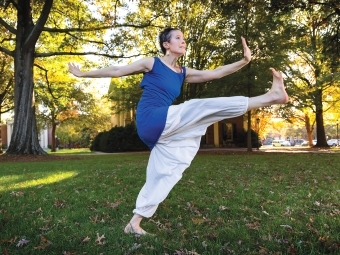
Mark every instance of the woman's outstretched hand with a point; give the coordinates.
(74, 69)
(246, 50)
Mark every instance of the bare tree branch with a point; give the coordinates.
(324, 20)
(89, 41)
(8, 52)
(47, 81)
(50, 54)
(9, 84)
(7, 26)
(36, 31)
(89, 29)
(332, 5)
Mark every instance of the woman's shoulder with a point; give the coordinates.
(145, 63)
(148, 60)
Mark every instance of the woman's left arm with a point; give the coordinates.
(198, 76)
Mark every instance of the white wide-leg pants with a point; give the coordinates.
(179, 143)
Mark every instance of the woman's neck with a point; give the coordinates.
(170, 61)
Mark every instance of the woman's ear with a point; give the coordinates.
(165, 45)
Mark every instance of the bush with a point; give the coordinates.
(95, 145)
(118, 139)
(241, 139)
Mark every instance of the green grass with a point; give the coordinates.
(260, 203)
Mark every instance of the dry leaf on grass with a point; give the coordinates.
(253, 225)
(291, 250)
(263, 250)
(197, 221)
(135, 247)
(112, 205)
(44, 242)
(286, 226)
(223, 208)
(86, 239)
(99, 239)
(9, 241)
(186, 252)
(16, 194)
(59, 203)
(69, 253)
(22, 242)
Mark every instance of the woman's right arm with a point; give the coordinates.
(140, 66)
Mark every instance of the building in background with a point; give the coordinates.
(7, 130)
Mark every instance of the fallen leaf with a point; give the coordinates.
(286, 226)
(44, 242)
(69, 253)
(223, 208)
(86, 239)
(99, 239)
(291, 250)
(135, 247)
(186, 252)
(59, 203)
(17, 194)
(263, 250)
(197, 221)
(10, 241)
(253, 225)
(112, 205)
(22, 242)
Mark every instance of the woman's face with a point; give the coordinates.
(177, 45)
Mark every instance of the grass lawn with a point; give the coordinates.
(233, 203)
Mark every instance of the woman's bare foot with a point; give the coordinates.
(276, 95)
(277, 90)
(129, 229)
(133, 227)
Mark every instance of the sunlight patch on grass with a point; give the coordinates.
(16, 181)
(72, 151)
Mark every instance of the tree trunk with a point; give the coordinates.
(24, 138)
(320, 129)
(249, 82)
(309, 129)
(53, 143)
(249, 143)
(0, 134)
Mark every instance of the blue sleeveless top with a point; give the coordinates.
(161, 86)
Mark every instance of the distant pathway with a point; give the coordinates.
(263, 149)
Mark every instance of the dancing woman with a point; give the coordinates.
(173, 132)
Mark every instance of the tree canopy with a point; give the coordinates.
(300, 38)
(32, 30)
